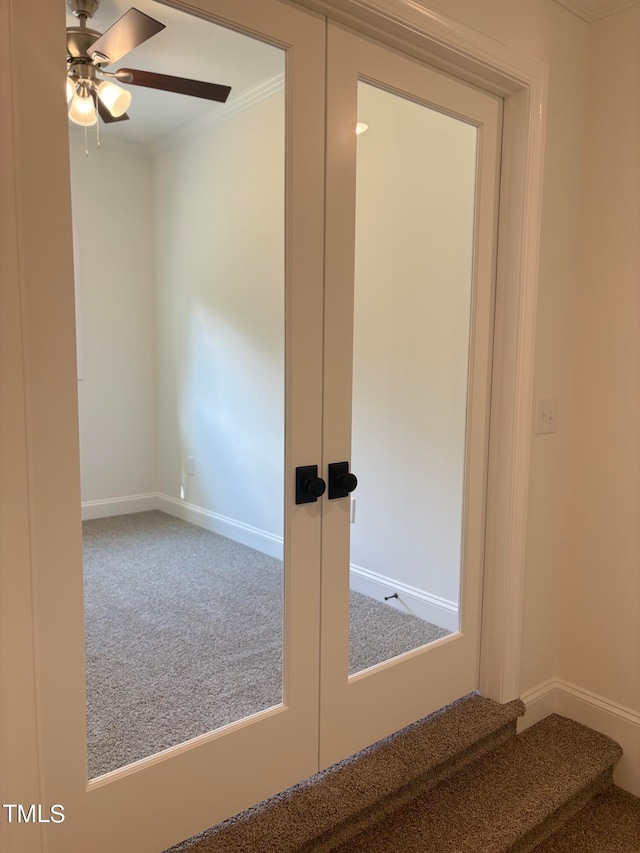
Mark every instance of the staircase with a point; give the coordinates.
(460, 781)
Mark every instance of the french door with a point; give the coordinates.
(389, 255)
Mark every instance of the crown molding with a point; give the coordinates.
(188, 131)
(218, 115)
(594, 10)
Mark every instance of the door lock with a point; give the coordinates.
(309, 487)
(341, 480)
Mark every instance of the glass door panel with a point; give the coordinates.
(181, 400)
(414, 238)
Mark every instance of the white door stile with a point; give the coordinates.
(358, 710)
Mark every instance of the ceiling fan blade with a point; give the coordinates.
(180, 85)
(106, 116)
(128, 32)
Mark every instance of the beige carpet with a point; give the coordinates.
(184, 634)
(501, 802)
(609, 824)
(547, 790)
(361, 789)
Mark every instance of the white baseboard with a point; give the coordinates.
(432, 608)
(119, 506)
(246, 534)
(540, 702)
(618, 722)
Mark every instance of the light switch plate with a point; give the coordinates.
(546, 415)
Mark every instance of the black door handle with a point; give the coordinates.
(341, 480)
(309, 487)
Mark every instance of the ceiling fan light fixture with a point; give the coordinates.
(82, 110)
(89, 95)
(115, 98)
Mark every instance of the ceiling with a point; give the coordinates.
(188, 47)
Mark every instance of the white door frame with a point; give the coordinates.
(478, 58)
(30, 250)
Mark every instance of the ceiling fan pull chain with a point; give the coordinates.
(86, 145)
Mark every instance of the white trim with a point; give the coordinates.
(77, 286)
(599, 702)
(539, 693)
(512, 389)
(215, 116)
(595, 10)
(433, 608)
(218, 114)
(441, 41)
(425, 605)
(246, 534)
(604, 715)
(540, 702)
(119, 506)
(21, 746)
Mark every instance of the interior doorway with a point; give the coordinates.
(68, 720)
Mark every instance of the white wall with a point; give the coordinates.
(581, 641)
(599, 633)
(181, 283)
(113, 224)
(219, 205)
(414, 240)
(550, 33)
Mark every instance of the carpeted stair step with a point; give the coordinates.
(610, 823)
(335, 805)
(510, 800)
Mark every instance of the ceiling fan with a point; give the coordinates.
(91, 87)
